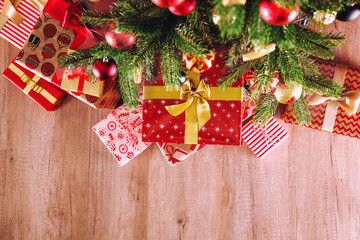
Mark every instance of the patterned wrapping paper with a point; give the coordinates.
(110, 99)
(41, 91)
(263, 141)
(224, 126)
(341, 122)
(176, 153)
(81, 85)
(46, 43)
(121, 132)
(17, 34)
(249, 106)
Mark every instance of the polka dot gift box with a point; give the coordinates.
(198, 113)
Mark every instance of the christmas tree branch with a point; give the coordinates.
(265, 109)
(300, 111)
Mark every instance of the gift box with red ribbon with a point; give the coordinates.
(41, 91)
(263, 140)
(57, 29)
(121, 133)
(199, 113)
(18, 19)
(340, 116)
(176, 153)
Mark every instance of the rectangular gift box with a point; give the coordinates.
(25, 18)
(41, 91)
(330, 117)
(121, 133)
(263, 140)
(224, 125)
(79, 84)
(47, 42)
(176, 153)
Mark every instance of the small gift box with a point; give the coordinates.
(121, 133)
(41, 91)
(340, 116)
(263, 140)
(198, 114)
(79, 83)
(18, 18)
(249, 106)
(176, 153)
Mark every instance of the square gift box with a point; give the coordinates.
(121, 133)
(41, 91)
(221, 108)
(176, 153)
(80, 84)
(330, 117)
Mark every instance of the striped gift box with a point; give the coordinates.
(17, 34)
(262, 141)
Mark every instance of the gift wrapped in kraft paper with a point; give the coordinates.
(340, 116)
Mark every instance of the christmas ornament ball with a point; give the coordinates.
(167, 3)
(287, 94)
(104, 68)
(182, 78)
(348, 13)
(273, 13)
(199, 64)
(325, 18)
(184, 8)
(120, 40)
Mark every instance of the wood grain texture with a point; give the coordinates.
(58, 180)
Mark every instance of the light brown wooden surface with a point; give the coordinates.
(58, 180)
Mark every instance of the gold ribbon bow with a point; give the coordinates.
(349, 101)
(31, 84)
(196, 107)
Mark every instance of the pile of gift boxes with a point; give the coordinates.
(42, 33)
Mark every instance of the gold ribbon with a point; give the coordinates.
(349, 100)
(197, 109)
(31, 84)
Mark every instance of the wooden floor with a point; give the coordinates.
(58, 181)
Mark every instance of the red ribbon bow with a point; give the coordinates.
(171, 151)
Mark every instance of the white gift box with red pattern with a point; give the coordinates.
(121, 133)
(176, 153)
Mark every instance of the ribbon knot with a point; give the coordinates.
(31, 84)
(196, 107)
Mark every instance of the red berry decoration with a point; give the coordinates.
(184, 8)
(104, 68)
(167, 3)
(273, 13)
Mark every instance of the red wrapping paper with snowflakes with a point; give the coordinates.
(263, 140)
(41, 91)
(224, 126)
(17, 33)
(121, 132)
(322, 116)
(176, 153)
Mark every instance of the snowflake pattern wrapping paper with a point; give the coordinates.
(262, 141)
(176, 153)
(121, 132)
(330, 117)
(224, 126)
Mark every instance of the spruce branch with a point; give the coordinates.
(265, 109)
(171, 65)
(322, 85)
(300, 110)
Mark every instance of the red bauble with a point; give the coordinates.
(120, 40)
(273, 13)
(104, 68)
(167, 3)
(184, 8)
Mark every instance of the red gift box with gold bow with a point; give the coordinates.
(335, 115)
(198, 113)
(41, 91)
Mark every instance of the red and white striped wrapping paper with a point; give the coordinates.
(263, 141)
(18, 34)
